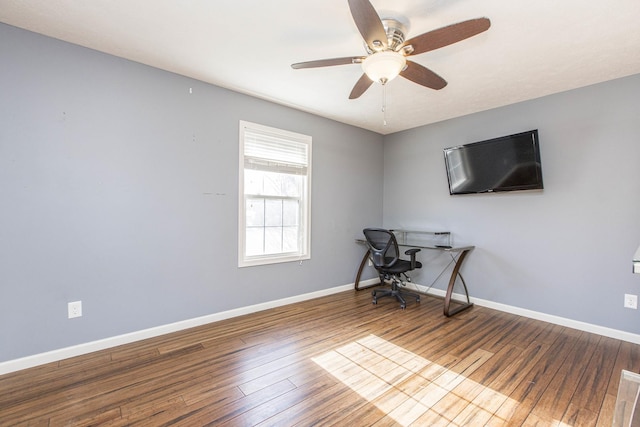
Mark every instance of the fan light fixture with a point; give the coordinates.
(384, 66)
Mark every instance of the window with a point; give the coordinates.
(274, 199)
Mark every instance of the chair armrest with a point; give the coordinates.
(412, 252)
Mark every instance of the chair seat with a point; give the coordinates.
(400, 266)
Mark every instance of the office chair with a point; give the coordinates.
(383, 249)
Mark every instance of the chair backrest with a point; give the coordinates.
(382, 246)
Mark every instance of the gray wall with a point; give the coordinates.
(565, 250)
(119, 188)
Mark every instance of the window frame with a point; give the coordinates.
(304, 235)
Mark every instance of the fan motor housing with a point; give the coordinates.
(395, 32)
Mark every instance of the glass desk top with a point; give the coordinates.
(438, 240)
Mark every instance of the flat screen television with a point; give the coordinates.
(507, 163)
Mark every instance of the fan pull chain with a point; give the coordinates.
(384, 105)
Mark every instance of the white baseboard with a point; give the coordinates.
(77, 350)
(80, 349)
(557, 320)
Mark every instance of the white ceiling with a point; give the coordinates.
(533, 48)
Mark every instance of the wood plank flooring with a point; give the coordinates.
(336, 360)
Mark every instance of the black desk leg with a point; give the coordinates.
(362, 264)
(447, 299)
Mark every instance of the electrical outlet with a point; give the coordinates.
(75, 309)
(631, 301)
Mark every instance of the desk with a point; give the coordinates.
(437, 241)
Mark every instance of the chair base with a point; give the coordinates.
(394, 292)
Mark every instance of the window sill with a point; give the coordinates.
(252, 262)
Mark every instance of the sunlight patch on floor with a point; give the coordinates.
(408, 387)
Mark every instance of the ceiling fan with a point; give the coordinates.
(387, 49)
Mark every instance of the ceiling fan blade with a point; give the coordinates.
(447, 35)
(423, 76)
(368, 23)
(328, 62)
(361, 86)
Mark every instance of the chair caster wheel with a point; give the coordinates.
(374, 302)
(403, 306)
(417, 299)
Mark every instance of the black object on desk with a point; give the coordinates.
(425, 240)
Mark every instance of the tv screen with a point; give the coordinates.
(507, 163)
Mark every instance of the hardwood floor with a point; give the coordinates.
(336, 360)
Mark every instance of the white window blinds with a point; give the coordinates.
(264, 150)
